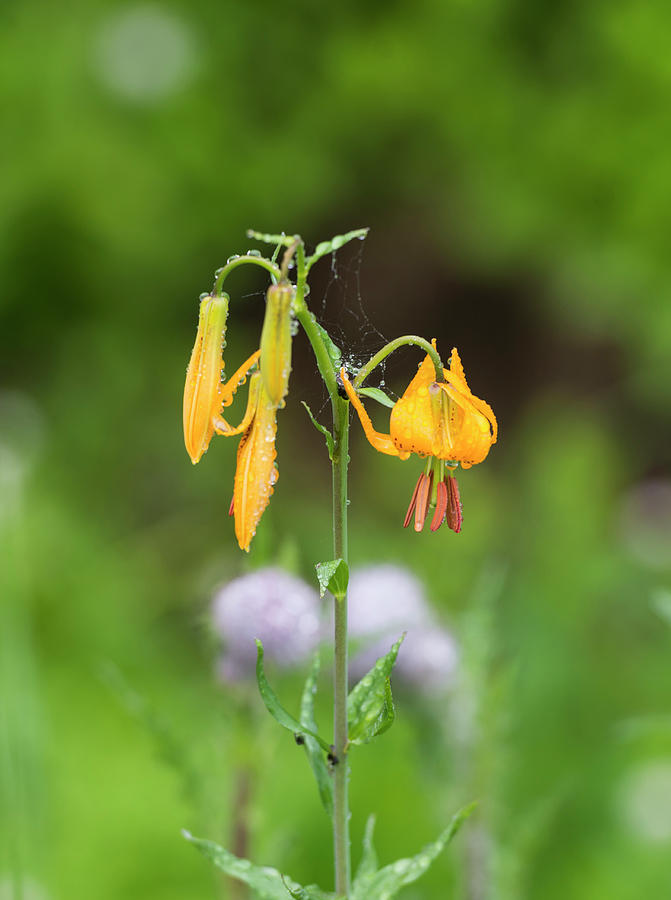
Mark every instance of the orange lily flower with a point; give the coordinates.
(204, 392)
(443, 421)
(256, 472)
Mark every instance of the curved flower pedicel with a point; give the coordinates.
(441, 421)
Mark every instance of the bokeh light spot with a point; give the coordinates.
(646, 801)
(145, 53)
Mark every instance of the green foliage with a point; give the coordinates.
(334, 352)
(377, 394)
(283, 240)
(370, 707)
(275, 708)
(334, 244)
(386, 883)
(368, 864)
(266, 882)
(312, 746)
(333, 576)
(328, 437)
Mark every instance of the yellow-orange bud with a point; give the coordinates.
(275, 361)
(256, 472)
(203, 388)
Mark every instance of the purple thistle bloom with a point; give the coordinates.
(385, 601)
(279, 609)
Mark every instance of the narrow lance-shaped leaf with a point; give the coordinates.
(266, 882)
(386, 883)
(312, 748)
(333, 350)
(370, 708)
(377, 394)
(333, 576)
(274, 706)
(328, 437)
(368, 865)
(286, 240)
(335, 243)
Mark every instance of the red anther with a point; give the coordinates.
(413, 500)
(454, 514)
(441, 506)
(423, 496)
(230, 508)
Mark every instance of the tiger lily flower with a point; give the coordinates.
(204, 393)
(256, 472)
(441, 421)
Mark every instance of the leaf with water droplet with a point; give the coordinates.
(368, 864)
(388, 881)
(314, 754)
(333, 576)
(266, 882)
(334, 244)
(370, 706)
(286, 240)
(274, 706)
(377, 394)
(328, 437)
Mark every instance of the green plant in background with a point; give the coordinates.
(437, 417)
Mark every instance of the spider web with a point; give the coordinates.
(342, 313)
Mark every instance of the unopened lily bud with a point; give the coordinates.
(276, 343)
(203, 389)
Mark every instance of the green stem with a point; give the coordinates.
(403, 341)
(225, 271)
(341, 846)
(340, 461)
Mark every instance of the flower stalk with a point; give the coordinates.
(438, 419)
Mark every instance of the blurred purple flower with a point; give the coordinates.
(279, 609)
(385, 601)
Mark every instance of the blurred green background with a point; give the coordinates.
(512, 161)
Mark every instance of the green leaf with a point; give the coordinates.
(311, 892)
(334, 352)
(274, 706)
(370, 708)
(388, 881)
(314, 753)
(377, 394)
(368, 865)
(335, 243)
(333, 576)
(328, 437)
(285, 240)
(267, 883)
(388, 714)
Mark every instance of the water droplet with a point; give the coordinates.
(306, 291)
(218, 271)
(253, 253)
(232, 258)
(203, 296)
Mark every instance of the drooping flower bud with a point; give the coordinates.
(276, 343)
(256, 472)
(203, 389)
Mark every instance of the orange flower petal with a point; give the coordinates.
(256, 473)
(202, 389)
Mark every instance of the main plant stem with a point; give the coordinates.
(340, 461)
(340, 784)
